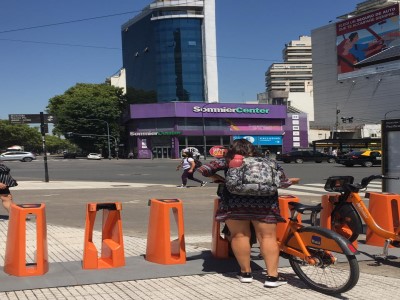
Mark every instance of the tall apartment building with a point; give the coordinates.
(291, 82)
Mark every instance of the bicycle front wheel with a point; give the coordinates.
(334, 272)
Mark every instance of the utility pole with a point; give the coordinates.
(337, 122)
(43, 132)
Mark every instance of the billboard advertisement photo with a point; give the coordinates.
(368, 43)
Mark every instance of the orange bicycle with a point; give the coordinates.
(324, 260)
(350, 208)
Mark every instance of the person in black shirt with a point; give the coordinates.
(6, 181)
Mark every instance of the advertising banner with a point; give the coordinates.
(366, 43)
(261, 140)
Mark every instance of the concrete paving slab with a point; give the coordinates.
(138, 268)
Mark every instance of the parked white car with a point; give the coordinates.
(94, 156)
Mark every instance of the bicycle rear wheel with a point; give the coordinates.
(331, 278)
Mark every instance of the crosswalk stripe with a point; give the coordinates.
(317, 189)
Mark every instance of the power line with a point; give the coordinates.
(82, 20)
(111, 48)
(119, 49)
(62, 44)
(68, 22)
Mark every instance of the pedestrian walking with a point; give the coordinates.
(6, 181)
(188, 165)
(238, 211)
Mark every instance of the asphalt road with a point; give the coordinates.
(159, 171)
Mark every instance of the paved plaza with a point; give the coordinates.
(202, 277)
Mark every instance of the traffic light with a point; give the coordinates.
(349, 119)
(44, 128)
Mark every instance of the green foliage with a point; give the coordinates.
(20, 134)
(73, 110)
(55, 144)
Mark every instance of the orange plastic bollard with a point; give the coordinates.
(112, 244)
(325, 216)
(385, 209)
(160, 249)
(219, 244)
(15, 257)
(327, 208)
(285, 213)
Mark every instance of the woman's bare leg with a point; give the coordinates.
(6, 201)
(240, 242)
(266, 236)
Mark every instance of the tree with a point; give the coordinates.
(55, 144)
(19, 134)
(84, 110)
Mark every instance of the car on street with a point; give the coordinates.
(300, 156)
(367, 158)
(17, 155)
(95, 156)
(69, 155)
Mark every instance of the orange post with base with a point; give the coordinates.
(219, 244)
(15, 262)
(112, 245)
(385, 210)
(284, 208)
(327, 203)
(327, 208)
(160, 249)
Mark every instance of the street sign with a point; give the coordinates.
(31, 119)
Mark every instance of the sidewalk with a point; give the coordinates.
(202, 277)
(67, 185)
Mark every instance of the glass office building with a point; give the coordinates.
(164, 53)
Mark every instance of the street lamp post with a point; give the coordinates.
(108, 135)
(390, 111)
(204, 129)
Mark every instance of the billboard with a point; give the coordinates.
(261, 140)
(368, 43)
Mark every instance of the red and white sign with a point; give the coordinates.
(218, 151)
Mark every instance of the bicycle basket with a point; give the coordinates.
(336, 183)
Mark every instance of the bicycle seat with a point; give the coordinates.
(301, 208)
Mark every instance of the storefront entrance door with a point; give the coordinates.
(162, 152)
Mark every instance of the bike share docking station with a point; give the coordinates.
(385, 210)
(161, 248)
(112, 244)
(16, 260)
(390, 129)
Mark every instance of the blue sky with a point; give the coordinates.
(40, 60)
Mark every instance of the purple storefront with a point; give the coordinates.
(162, 130)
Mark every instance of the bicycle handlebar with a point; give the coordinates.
(366, 180)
